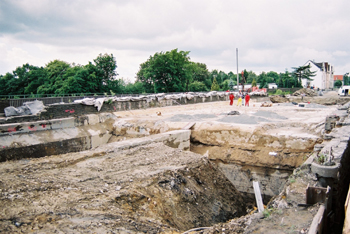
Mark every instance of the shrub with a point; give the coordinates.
(279, 92)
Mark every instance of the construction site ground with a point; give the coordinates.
(158, 189)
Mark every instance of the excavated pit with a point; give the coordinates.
(151, 189)
(154, 188)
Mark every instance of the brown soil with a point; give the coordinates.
(148, 189)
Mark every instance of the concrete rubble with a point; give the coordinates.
(28, 108)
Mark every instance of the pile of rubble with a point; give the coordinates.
(306, 92)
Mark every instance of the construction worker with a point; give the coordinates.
(247, 98)
(239, 103)
(231, 98)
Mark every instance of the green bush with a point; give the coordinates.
(197, 86)
(279, 92)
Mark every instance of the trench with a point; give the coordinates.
(271, 179)
(240, 173)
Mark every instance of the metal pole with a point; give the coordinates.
(237, 69)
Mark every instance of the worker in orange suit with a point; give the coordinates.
(247, 98)
(231, 98)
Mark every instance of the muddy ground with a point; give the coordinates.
(155, 188)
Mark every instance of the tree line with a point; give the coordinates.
(170, 71)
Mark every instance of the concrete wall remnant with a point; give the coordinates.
(78, 108)
(64, 135)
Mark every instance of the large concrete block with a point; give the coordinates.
(99, 137)
(93, 119)
(325, 171)
(178, 139)
(31, 127)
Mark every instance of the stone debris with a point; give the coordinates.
(278, 99)
(233, 113)
(306, 92)
(28, 108)
(160, 96)
(265, 104)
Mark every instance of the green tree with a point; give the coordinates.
(8, 84)
(251, 76)
(80, 79)
(231, 84)
(129, 87)
(287, 80)
(165, 72)
(232, 76)
(21, 74)
(24, 79)
(263, 84)
(254, 83)
(262, 80)
(223, 76)
(197, 86)
(213, 74)
(346, 79)
(106, 74)
(55, 71)
(243, 77)
(191, 69)
(280, 83)
(36, 77)
(225, 85)
(303, 72)
(203, 75)
(272, 77)
(215, 86)
(338, 83)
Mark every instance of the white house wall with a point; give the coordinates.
(323, 79)
(317, 80)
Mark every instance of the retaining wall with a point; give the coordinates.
(59, 136)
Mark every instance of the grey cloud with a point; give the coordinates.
(270, 34)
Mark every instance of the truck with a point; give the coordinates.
(344, 90)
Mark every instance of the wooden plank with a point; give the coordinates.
(316, 225)
(258, 198)
(346, 227)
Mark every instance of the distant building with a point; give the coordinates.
(324, 78)
(272, 86)
(338, 77)
(248, 86)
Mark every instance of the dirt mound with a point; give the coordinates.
(149, 189)
(306, 92)
(278, 99)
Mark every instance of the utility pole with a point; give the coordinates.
(237, 69)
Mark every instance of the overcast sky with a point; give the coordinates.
(271, 35)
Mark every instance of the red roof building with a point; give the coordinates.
(338, 77)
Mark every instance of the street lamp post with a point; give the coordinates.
(237, 69)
